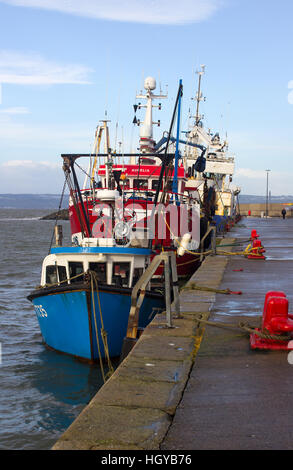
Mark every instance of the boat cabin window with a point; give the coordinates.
(121, 273)
(75, 268)
(140, 184)
(155, 184)
(52, 274)
(100, 270)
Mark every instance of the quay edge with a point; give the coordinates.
(135, 407)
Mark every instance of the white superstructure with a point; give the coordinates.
(220, 166)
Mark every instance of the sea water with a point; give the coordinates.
(41, 391)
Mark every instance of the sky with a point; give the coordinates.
(66, 65)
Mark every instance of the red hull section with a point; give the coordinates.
(102, 226)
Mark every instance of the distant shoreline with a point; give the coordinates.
(50, 202)
(63, 214)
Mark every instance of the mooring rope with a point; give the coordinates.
(245, 327)
(92, 278)
(193, 286)
(104, 336)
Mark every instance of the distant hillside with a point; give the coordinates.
(51, 201)
(32, 201)
(251, 199)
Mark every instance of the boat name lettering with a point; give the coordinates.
(40, 311)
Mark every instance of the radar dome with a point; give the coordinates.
(150, 83)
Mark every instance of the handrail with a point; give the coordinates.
(214, 249)
(138, 292)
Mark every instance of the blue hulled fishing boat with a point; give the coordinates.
(84, 300)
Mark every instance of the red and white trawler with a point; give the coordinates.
(138, 200)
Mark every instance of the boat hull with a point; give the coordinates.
(70, 321)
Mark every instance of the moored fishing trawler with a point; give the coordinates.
(149, 179)
(85, 300)
(212, 177)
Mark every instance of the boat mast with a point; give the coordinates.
(98, 137)
(175, 180)
(166, 161)
(199, 96)
(146, 143)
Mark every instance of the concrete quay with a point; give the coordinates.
(198, 387)
(135, 407)
(237, 398)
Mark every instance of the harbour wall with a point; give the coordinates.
(259, 210)
(135, 407)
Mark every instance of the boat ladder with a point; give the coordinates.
(139, 290)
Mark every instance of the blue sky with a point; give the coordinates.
(63, 64)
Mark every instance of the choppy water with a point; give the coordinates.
(41, 391)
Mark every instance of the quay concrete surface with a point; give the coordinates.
(135, 407)
(201, 387)
(237, 398)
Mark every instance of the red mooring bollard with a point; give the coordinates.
(257, 250)
(254, 234)
(276, 321)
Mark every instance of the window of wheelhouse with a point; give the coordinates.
(101, 271)
(155, 184)
(140, 184)
(75, 269)
(120, 274)
(55, 274)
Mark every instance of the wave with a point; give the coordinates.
(7, 219)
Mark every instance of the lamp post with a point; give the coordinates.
(267, 195)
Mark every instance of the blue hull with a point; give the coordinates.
(67, 319)
(220, 221)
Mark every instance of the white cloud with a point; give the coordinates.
(32, 69)
(27, 176)
(30, 164)
(140, 11)
(15, 110)
(250, 173)
(254, 181)
(74, 137)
